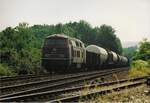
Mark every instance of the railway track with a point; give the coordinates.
(63, 95)
(106, 88)
(60, 83)
(12, 80)
(26, 87)
(16, 80)
(5, 78)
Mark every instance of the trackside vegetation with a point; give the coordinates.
(140, 65)
(139, 68)
(6, 71)
(20, 46)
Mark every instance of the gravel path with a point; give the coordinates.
(135, 95)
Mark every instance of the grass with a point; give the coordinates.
(133, 95)
(139, 68)
(6, 71)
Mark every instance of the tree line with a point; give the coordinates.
(20, 47)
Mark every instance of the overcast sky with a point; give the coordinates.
(130, 18)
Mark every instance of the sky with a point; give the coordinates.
(130, 18)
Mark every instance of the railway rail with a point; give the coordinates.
(12, 80)
(52, 82)
(4, 78)
(59, 83)
(22, 79)
(118, 87)
(58, 95)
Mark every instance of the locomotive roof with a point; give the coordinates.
(96, 49)
(63, 36)
(57, 35)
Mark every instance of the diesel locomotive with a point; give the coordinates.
(64, 53)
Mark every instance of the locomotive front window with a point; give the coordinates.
(54, 41)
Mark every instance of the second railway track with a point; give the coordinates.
(12, 80)
(41, 86)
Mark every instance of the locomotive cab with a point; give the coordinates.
(55, 52)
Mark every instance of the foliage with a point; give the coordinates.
(143, 50)
(129, 52)
(140, 65)
(20, 47)
(6, 71)
(106, 38)
(139, 68)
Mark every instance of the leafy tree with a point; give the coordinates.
(16, 49)
(143, 50)
(130, 51)
(82, 31)
(106, 38)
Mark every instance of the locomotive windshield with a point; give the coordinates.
(55, 41)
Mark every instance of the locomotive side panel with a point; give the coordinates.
(78, 53)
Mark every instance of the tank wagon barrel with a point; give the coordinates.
(113, 59)
(95, 56)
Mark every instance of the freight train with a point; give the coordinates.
(64, 53)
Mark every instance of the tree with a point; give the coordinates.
(129, 52)
(17, 49)
(82, 31)
(143, 50)
(106, 38)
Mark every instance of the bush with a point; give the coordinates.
(139, 68)
(6, 71)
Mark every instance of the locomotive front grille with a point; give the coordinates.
(54, 55)
(55, 52)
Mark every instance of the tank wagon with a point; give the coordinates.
(98, 57)
(95, 56)
(123, 61)
(63, 53)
